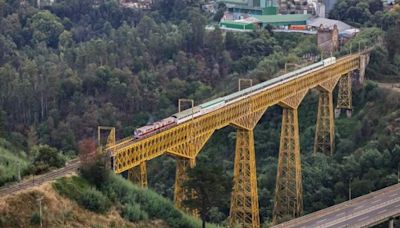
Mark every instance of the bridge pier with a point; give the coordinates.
(325, 127)
(138, 175)
(244, 200)
(180, 194)
(244, 209)
(364, 60)
(391, 223)
(345, 95)
(289, 189)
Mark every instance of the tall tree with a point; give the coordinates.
(46, 27)
(392, 41)
(210, 186)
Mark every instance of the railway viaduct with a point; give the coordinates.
(185, 141)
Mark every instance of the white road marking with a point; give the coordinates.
(375, 201)
(362, 219)
(382, 211)
(358, 207)
(340, 214)
(394, 194)
(319, 221)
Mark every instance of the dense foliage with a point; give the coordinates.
(66, 69)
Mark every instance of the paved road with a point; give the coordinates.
(364, 211)
(69, 168)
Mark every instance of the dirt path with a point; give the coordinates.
(70, 168)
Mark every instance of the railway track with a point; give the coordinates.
(70, 167)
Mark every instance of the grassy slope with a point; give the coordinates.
(9, 159)
(58, 211)
(62, 206)
(131, 202)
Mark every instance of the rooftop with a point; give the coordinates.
(236, 1)
(328, 23)
(282, 18)
(236, 22)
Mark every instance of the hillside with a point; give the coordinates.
(21, 209)
(76, 202)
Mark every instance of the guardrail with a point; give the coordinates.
(306, 218)
(356, 214)
(379, 219)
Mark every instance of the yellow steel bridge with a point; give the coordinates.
(185, 141)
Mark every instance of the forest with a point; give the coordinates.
(67, 68)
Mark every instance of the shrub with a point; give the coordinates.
(95, 173)
(155, 206)
(133, 213)
(72, 187)
(93, 200)
(46, 157)
(79, 190)
(139, 204)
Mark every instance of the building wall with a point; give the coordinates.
(328, 40)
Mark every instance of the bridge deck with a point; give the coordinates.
(364, 211)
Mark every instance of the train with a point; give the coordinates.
(188, 114)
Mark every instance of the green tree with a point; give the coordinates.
(32, 137)
(198, 22)
(46, 157)
(2, 124)
(393, 41)
(210, 186)
(46, 27)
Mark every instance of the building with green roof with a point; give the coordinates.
(237, 25)
(283, 20)
(261, 21)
